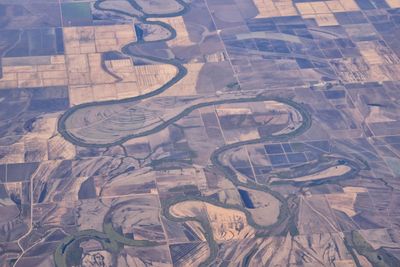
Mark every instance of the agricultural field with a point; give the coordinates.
(199, 133)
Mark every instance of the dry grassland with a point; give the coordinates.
(322, 11)
(186, 86)
(345, 201)
(330, 172)
(42, 142)
(266, 207)
(275, 8)
(88, 80)
(97, 39)
(393, 3)
(226, 224)
(51, 73)
(182, 35)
